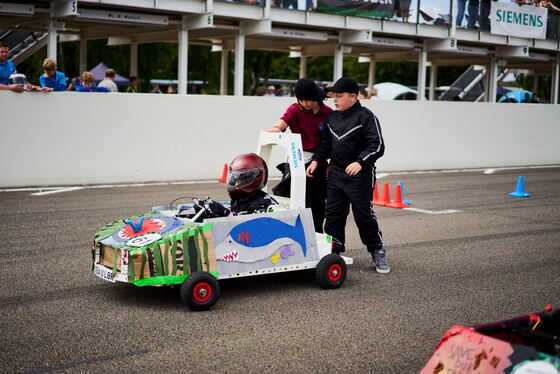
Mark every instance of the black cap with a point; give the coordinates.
(307, 89)
(344, 84)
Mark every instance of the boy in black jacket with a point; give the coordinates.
(352, 140)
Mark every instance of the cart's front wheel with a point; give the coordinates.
(331, 271)
(200, 291)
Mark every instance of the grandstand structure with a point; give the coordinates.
(236, 26)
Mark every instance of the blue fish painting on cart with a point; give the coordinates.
(260, 238)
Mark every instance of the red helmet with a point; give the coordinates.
(247, 173)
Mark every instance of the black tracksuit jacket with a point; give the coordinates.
(349, 136)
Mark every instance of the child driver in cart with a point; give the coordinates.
(247, 175)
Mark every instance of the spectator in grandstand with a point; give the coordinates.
(461, 4)
(260, 91)
(87, 84)
(74, 82)
(306, 117)
(155, 88)
(7, 68)
(484, 17)
(362, 94)
(352, 140)
(133, 88)
(373, 94)
(51, 79)
(270, 91)
(170, 89)
(109, 81)
(526, 98)
(405, 9)
(534, 99)
(473, 14)
(278, 90)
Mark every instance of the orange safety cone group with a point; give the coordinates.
(224, 174)
(397, 202)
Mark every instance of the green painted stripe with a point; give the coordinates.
(160, 280)
(205, 248)
(143, 263)
(194, 234)
(186, 257)
(166, 256)
(157, 259)
(131, 275)
(115, 263)
(174, 255)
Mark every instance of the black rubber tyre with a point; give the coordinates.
(200, 291)
(331, 271)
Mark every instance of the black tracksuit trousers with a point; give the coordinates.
(316, 192)
(343, 190)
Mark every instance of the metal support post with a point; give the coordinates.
(492, 81)
(133, 59)
(554, 83)
(52, 35)
(421, 86)
(239, 64)
(433, 82)
(302, 66)
(338, 58)
(371, 74)
(183, 39)
(224, 70)
(83, 55)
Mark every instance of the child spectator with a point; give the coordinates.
(133, 85)
(109, 81)
(52, 80)
(87, 81)
(352, 140)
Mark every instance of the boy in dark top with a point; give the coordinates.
(353, 140)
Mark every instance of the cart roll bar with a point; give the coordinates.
(291, 143)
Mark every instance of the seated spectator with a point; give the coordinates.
(133, 88)
(7, 68)
(155, 88)
(373, 94)
(270, 91)
(52, 80)
(362, 94)
(88, 84)
(109, 81)
(74, 82)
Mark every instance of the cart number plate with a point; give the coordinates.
(104, 273)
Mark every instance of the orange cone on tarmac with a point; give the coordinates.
(397, 201)
(224, 174)
(375, 194)
(385, 197)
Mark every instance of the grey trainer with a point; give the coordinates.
(380, 261)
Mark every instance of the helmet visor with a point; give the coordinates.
(240, 179)
(18, 79)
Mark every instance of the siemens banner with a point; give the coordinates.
(523, 21)
(359, 8)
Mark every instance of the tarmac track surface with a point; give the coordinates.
(497, 258)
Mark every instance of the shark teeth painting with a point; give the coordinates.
(260, 238)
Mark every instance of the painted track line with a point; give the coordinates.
(58, 190)
(426, 211)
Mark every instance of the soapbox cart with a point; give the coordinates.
(174, 244)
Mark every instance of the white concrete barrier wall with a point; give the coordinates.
(80, 138)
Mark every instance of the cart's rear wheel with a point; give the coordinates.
(331, 271)
(200, 291)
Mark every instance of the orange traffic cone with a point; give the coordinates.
(224, 174)
(385, 197)
(397, 201)
(375, 194)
